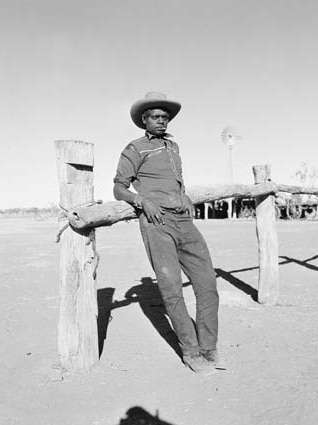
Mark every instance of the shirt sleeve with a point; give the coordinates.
(128, 166)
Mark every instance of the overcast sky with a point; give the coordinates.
(70, 69)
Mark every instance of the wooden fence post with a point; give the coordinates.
(206, 210)
(77, 329)
(268, 284)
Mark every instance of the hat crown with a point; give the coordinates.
(154, 95)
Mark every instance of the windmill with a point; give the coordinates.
(229, 137)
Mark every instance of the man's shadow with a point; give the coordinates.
(148, 296)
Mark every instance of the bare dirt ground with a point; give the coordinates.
(269, 353)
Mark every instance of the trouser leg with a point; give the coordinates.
(161, 248)
(196, 263)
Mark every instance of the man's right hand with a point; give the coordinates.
(153, 212)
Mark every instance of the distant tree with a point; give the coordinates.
(306, 175)
(32, 210)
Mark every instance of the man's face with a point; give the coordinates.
(157, 122)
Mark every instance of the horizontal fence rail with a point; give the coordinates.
(109, 213)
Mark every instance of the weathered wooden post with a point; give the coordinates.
(77, 329)
(206, 210)
(268, 284)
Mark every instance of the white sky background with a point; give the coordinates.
(70, 69)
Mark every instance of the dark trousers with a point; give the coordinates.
(177, 245)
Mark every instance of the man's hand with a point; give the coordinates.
(153, 212)
(186, 205)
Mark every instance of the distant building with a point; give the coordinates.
(288, 206)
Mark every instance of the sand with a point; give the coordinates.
(269, 354)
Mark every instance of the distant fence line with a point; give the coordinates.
(77, 333)
(53, 211)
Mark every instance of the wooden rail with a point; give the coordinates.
(110, 213)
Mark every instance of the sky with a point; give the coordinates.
(71, 69)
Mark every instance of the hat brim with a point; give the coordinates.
(139, 107)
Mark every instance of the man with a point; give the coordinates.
(153, 166)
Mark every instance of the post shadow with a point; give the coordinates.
(249, 290)
(239, 284)
(314, 257)
(104, 303)
(304, 263)
(139, 416)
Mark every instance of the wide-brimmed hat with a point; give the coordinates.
(153, 100)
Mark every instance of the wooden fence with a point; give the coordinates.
(77, 332)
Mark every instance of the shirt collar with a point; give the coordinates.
(165, 136)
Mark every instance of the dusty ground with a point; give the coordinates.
(270, 353)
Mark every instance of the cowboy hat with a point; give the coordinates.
(153, 100)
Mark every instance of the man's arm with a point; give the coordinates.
(152, 211)
(122, 193)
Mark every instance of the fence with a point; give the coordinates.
(77, 331)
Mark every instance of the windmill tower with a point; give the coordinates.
(229, 137)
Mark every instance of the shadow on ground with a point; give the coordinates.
(104, 302)
(139, 416)
(304, 263)
(148, 297)
(238, 283)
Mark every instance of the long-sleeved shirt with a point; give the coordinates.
(153, 166)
